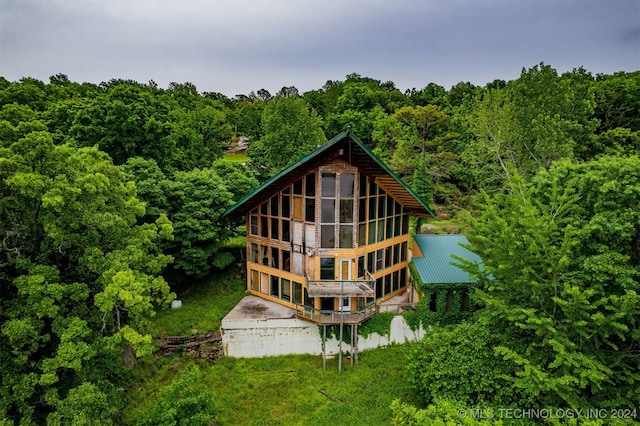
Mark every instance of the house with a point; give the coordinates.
(328, 235)
(437, 279)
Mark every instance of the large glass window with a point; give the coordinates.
(346, 236)
(327, 268)
(328, 185)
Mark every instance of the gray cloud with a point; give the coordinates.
(234, 46)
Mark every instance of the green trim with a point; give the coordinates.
(390, 172)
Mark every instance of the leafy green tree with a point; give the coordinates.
(474, 379)
(197, 199)
(564, 283)
(79, 280)
(237, 178)
(290, 130)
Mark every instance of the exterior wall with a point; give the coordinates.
(259, 338)
(285, 238)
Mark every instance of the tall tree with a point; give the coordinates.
(561, 284)
(290, 130)
(79, 279)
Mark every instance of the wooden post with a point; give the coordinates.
(324, 348)
(340, 344)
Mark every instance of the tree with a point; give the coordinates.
(561, 282)
(290, 130)
(197, 199)
(79, 279)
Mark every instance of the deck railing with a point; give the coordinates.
(360, 287)
(324, 317)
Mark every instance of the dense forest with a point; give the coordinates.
(112, 195)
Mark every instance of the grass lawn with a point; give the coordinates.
(285, 390)
(237, 157)
(204, 304)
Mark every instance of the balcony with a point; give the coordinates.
(320, 317)
(360, 287)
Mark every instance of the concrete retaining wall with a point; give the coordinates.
(254, 338)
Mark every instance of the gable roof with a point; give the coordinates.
(345, 145)
(437, 265)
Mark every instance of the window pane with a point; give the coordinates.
(380, 230)
(264, 208)
(403, 252)
(254, 224)
(286, 232)
(264, 255)
(275, 258)
(371, 262)
(328, 210)
(275, 288)
(362, 209)
(264, 226)
(346, 211)
(310, 185)
(286, 206)
(297, 187)
(346, 236)
(363, 185)
(372, 208)
(327, 236)
(310, 210)
(328, 184)
(372, 232)
(285, 290)
(274, 206)
(254, 253)
(382, 203)
(390, 205)
(297, 292)
(362, 234)
(373, 188)
(388, 256)
(396, 225)
(405, 224)
(255, 280)
(275, 234)
(390, 227)
(379, 260)
(327, 268)
(346, 185)
(286, 260)
(361, 266)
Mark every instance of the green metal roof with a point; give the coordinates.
(437, 265)
(349, 147)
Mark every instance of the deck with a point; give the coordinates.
(336, 317)
(360, 287)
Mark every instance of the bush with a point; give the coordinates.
(459, 364)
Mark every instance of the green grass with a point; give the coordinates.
(237, 157)
(204, 304)
(287, 390)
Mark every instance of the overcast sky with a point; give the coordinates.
(236, 46)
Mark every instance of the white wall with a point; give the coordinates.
(258, 338)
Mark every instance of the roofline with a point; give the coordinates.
(389, 171)
(325, 146)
